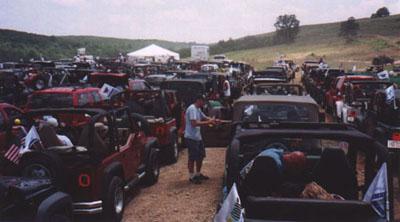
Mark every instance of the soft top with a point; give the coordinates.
(275, 98)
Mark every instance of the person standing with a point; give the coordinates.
(194, 119)
(227, 88)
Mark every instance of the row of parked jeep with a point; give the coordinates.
(288, 164)
(98, 139)
(358, 98)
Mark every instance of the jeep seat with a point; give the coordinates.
(293, 209)
(48, 136)
(333, 173)
(99, 147)
(264, 177)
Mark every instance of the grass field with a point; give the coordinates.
(376, 37)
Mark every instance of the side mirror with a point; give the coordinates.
(321, 117)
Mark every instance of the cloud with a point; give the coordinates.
(179, 20)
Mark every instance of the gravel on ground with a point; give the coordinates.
(174, 198)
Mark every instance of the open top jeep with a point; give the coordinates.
(270, 76)
(278, 89)
(335, 158)
(110, 153)
(357, 100)
(162, 117)
(65, 97)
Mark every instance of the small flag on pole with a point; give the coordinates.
(22, 144)
(231, 210)
(13, 153)
(31, 138)
(377, 193)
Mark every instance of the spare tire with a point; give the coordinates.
(45, 164)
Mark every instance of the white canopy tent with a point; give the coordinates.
(153, 53)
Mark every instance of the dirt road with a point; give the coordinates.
(174, 198)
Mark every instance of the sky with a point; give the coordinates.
(202, 21)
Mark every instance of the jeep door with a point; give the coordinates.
(126, 139)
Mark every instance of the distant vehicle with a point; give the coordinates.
(267, 108)
(119, 80)
(209, 68)
(220, 57)
(11, 89)
(308, 65)
(382, 119)
(278, 89)
(277, 75)
(317, 82)
(357, 100)
(335, 92)
(200, 52)
(65, 97)
(156, 79)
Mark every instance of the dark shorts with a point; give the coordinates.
(196, 149)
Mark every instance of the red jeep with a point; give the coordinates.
(111, 153)
(336, 90)
(65, 97)
(8, 113)
(162, 113)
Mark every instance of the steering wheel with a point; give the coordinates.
(278, 145)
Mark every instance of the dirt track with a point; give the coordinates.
(174, 198)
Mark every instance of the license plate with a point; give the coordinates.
(393, 144)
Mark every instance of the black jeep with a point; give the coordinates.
(337, 158)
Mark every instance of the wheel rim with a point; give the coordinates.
(118, 200)
(176, 151)
(156, 170)
(37, 171)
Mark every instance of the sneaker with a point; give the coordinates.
(203, 177)
(195, 180)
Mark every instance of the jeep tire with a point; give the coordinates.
(55, 208)
(113, 203)
(43, 165)
(152, 169)
(173, 150)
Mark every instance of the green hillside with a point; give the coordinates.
(15, 45)
(377, 36)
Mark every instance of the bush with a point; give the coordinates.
(382, 60)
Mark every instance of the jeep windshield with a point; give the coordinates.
(270, 74)
(363, 91)
(277, 112)
(51, 100)
(279, 90)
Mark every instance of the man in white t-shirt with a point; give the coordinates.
(194, 119)
(54, 123)
(227, 88)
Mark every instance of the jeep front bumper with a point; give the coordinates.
(94, 207)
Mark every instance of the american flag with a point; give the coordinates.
(13, 152)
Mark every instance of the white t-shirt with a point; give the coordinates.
(193, 113)
(65, 140)
(227, 88)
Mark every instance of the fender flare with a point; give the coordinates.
(52, 204)
(173, 131)
(150, 145)
(114, 169)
